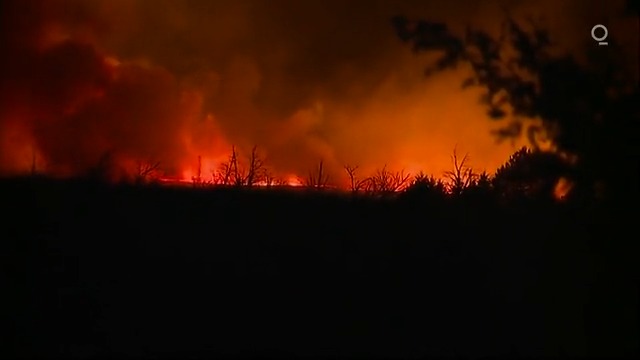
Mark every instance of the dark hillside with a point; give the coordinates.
(122, 271)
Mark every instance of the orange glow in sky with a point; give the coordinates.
(169, 81)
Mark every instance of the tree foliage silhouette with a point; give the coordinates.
(587, 110)
(530, 173)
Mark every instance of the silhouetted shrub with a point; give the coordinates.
(425, 188)
(530, 173)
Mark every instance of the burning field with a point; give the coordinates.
(459, 245)
(130, 86)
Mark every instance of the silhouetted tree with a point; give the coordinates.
(226, 173)
(461, 176)
(146, 170)
(530, 173)
(237, 172)
(587, 110)
(233, 172)
(255, 169)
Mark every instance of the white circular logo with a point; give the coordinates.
(594, 36)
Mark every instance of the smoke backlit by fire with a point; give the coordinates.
(171, 81)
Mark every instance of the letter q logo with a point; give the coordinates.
(600, 29)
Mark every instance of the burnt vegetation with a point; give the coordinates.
(528, 173)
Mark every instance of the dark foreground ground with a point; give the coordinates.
(128, 272)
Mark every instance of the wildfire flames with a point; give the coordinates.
(124, 86)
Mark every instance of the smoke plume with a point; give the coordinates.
(171, 80)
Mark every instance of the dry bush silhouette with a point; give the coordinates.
(425, 187)
(231, 172)
(527, 173)
(428, 182)
(234, 172)
(385, 181)
(316, 179)
(271, 180)
(146, 171)
(461, 176)
(256, 171)
(280, 182)
(355, 184)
